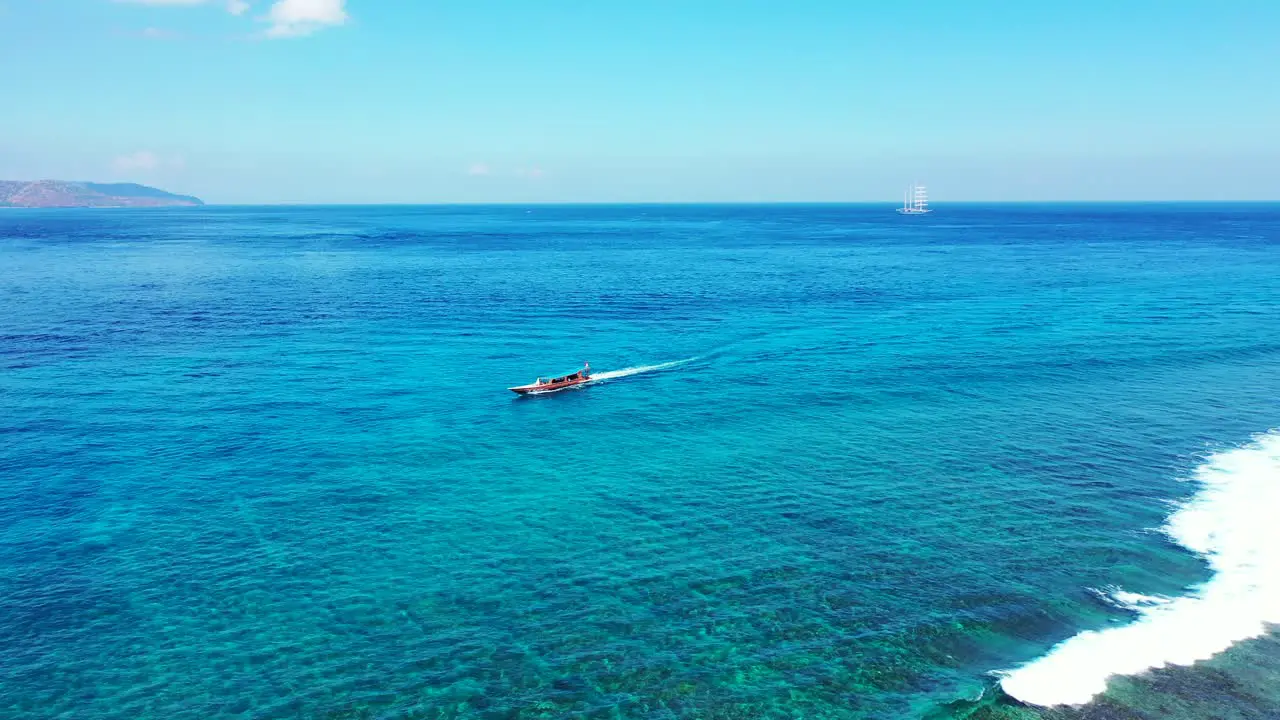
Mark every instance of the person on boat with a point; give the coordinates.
(586, 370)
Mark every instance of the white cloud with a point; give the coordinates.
(154, 33)
(163, 2)
(287, 18)
(294, 18)
(141, 160)
(145, 161)
(235, 7)
(480, 169)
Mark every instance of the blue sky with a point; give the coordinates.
(663, 100)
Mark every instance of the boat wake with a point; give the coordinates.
(637, 370)
(1231, 523)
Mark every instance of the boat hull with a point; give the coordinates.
(536, 389)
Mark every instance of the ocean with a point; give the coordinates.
(1000, 461)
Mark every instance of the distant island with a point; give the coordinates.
(63, 194)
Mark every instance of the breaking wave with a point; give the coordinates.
(1231, 523)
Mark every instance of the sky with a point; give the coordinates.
(426, 101)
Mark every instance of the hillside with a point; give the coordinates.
(63, 194)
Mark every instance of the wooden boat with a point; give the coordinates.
(544, 385)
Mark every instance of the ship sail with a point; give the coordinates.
(915, 201)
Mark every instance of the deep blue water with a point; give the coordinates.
(261, 462)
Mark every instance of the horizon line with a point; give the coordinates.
(669, 203)
(566, 203)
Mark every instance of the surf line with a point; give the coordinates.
(1230, 522)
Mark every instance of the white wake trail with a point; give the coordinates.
(1232, 523)
(626, 372)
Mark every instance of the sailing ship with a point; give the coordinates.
(915, 201)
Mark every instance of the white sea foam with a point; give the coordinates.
(625, 372)
(1137, 601)
(1128, 600)
(1232, 522)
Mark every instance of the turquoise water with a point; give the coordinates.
(261, 463)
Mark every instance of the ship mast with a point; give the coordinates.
(915, 201)
(920, 200)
